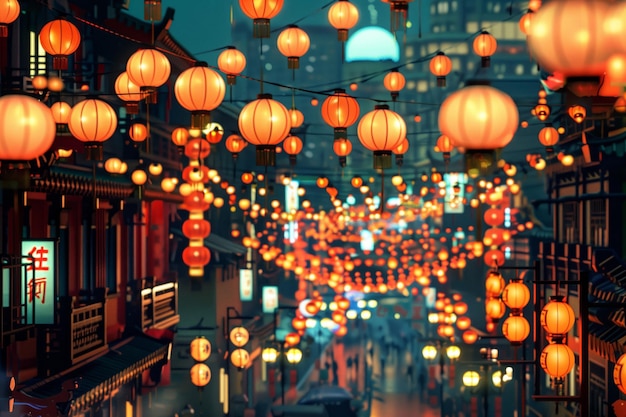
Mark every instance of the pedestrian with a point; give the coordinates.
(409, 374)
(335, 373)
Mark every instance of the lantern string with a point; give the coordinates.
(419, 19)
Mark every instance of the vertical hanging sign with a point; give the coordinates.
(270, 298)
(39, 279)
(245, 284)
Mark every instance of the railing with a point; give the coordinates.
(151, 305)
(16, 316)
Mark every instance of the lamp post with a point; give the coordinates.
(472, 379)
(292, 355)
(430, 352)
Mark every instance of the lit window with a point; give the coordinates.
(37, 59)
(471, 27)
(519, 69)
(443, 7)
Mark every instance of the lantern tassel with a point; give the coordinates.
(382, 190)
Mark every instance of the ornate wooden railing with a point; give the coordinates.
(152, 305)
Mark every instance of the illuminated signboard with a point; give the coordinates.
(292, 204)
(270, 298)
(39, 279)
(245, 284)
(455, 192)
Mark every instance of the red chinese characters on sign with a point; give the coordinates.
(36, 286)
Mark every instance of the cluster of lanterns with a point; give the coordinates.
(200, 351)
(557, 319)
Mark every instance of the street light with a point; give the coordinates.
(485, 378)
(292, 355)
(430, 352)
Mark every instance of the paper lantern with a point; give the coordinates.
(231, 62)
(9, 12)
(342, 148)
(429, 352)
(494, 284)
(240, 358)
(516, 295)
(470, 337)
(196, 228)
(149, 69)
(115, 166)
(292, 339)
(200, 349)
(619, 373)
(61, 112)
(516, 329)
(239, 336)
(261, 11)
(200, 374)
(548, 137)
(128, 92)
(485, 46)
(296, 117)
(59, 38)
(235, 144)
(340, 111)
(394, 81)
(495, 308)
(440, 66)
(343, 16)
(138, 132)
(293, 43)
(557, 317)
(380, 131)
(199, 89)
(93, 121)
(557, 360)
(196, 257)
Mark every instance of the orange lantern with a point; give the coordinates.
(516, 295)
(493, 258)
(322, 182)
(93, 121)
(196, 201)
(342, 303)
(292, 339)
(577, 113)
(470, 337)
(619, 373)
(445, 146)
(61, 111)
(463, 323)
(494, 308)
(197, 148)
(215, 133)
(485, 45)
(231, 62)
(199, 89)
(460, 308)
(180, 135)
(298, 323)
(340, 111)
(548, 137)
(128, 92)
(557, 317)
(341, 331)
(9, 12)
(247, 177)
(235, 144)
(264, 123)
(59, 38)
(196, 228)
(394, 81)
(342, 148)
(296, 117)
(380, 131)
(292, 147)
(200, 349)
(356, 181)
(200, 374)
(494, 284)
(524, 22)
(400, 150)
(440, 66)
(261, 11)
(138, 132)
(343, 16)
(493, 216)
(515, 329)
(240, 358)
(29, 120)
(293, 43)
(149, 69)
(557, 360)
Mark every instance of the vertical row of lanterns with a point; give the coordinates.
(557, 358)
(494, 307)
(200, 351)
(516, 296)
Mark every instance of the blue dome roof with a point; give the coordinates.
(372, 43)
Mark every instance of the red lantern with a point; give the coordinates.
(193, 174)
(292, 339)
(9, 12)
(440, 66)
(485, 46)
(196, 228)
(380, 131)
(394, 81)
(340, 111)
(231, 62)
(298, 323)
(619, 373)
(59, 38)
(293, 43)
(199, 89)
(264, 123)
(494, 216)
(343, 16)
(261, 11)
(196, 201)
(215, 134)
(494, 258)
(27, 119)
(93, 121)
(196, 256)
(342, 303)
(197, 148)
(470, 337)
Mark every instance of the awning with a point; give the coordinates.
(220, 244)
(98, 378)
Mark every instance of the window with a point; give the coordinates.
(569, 222)
(597, 233)
(443, 7)
(37, 56)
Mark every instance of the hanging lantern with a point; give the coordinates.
(235, 144)
(200, 375)
(469, 337)
(240, 358)
(342, 148)
(149, 69)
(239, 336)
(199, 89)
(340, 111)
(394, 81)
(548, 137)
(264, 123)
(139, 177)
(440, 66)
(399, 13)
(494, 284)
(380, 131)
(322, 182)
(296, 117)
(542, 111)
(343, 16)
(292, 339)
(429, 352)
(214, 133)
(445, 146)
(261, 11)
(61, 112)
(115, 166)
(293, 43)
(557, 317)
(138, 132)
(292, 146)
(197, 148)
(93, 121)
(494, 216)
(59, 38)
(516, 329)
(577, 113)
(128, 92)
(180, 135)
(495, 308)
(480, 119)
(557, 360)
(400, 150)
(578, 49)
(200, 349)
(9, 12)
(294, 355)
(524, 22)
(231, 62)
(152, 10)
(196, 257)
(619, 373)
(485, 46)
(196, 228)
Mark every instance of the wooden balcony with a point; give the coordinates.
(151, 305)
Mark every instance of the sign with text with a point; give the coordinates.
(245, 284)
(270, 298)
(39, 279)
